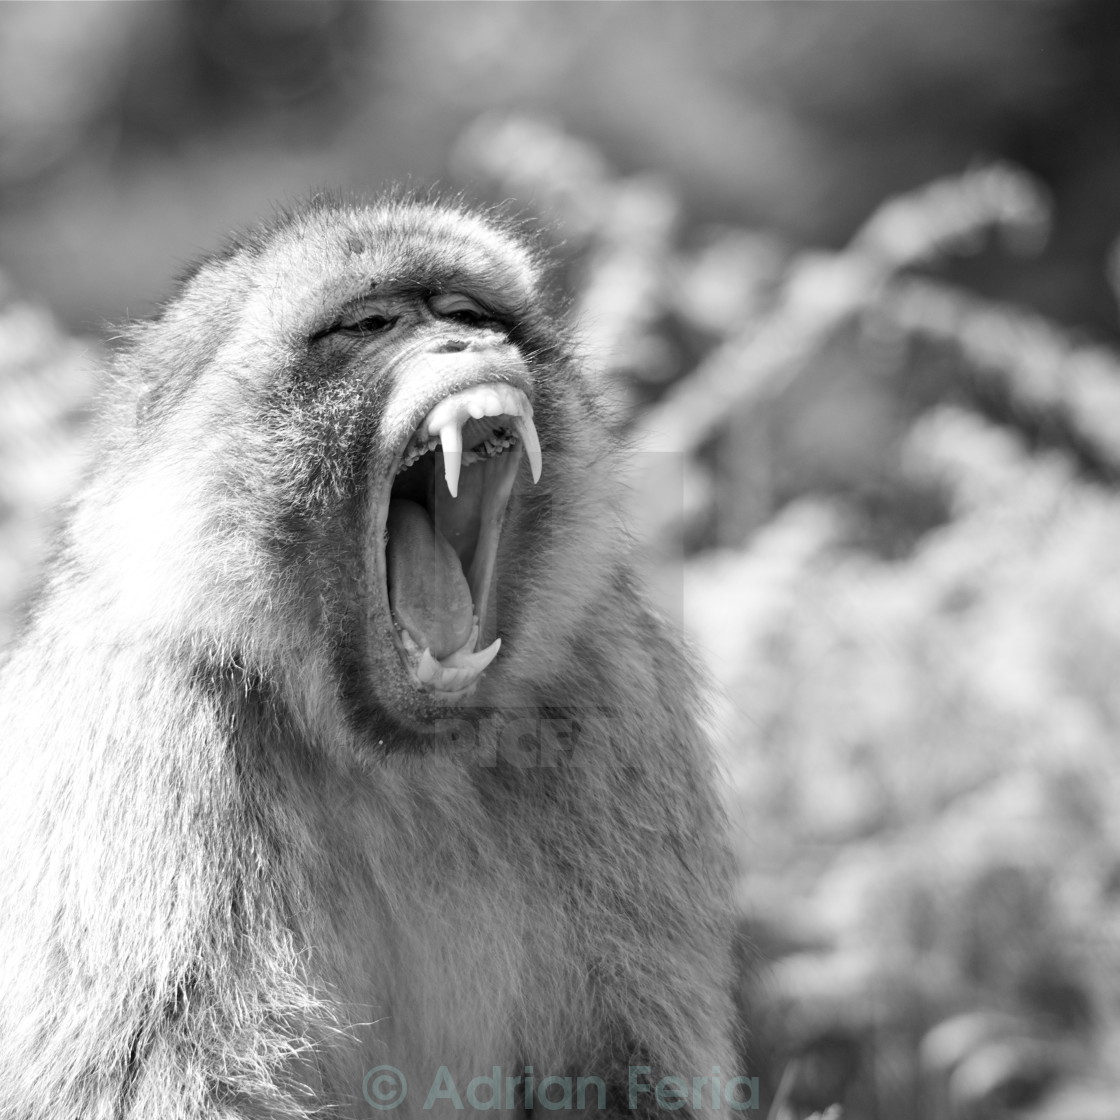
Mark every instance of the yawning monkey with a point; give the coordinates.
(342, 758)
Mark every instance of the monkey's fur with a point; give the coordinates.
(247, 855)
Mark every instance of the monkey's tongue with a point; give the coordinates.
(428, 592)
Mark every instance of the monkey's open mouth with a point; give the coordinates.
(445, 515)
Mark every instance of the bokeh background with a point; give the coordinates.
(847, 273)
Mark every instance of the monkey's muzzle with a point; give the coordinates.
(445, 515)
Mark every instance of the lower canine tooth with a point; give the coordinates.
(429, 668)
(457, 670)
(474, 661)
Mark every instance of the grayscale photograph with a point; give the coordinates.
(559, 557)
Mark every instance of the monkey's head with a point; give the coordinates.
(363, 456)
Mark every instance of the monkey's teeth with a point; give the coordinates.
(488, 449)
(477, 661)
(451, 439)
(428, 669)
(449, 416)
(528, 434)
(417, 449)
(456, 671)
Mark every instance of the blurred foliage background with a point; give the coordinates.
(847, 273)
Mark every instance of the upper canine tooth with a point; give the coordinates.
(528, 434)
(451, 439)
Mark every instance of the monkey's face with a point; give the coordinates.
(345, 442)
(457, 427)
(423, 333)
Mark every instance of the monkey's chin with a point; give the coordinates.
(445, 508)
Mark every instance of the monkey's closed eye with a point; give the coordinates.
(368, 324)
(359, 320)
(460, 309)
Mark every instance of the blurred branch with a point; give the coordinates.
(1043, 375)
(824, 291)
(952, 216)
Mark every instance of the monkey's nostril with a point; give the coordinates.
(451, 346)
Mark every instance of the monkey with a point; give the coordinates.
(346, 769)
